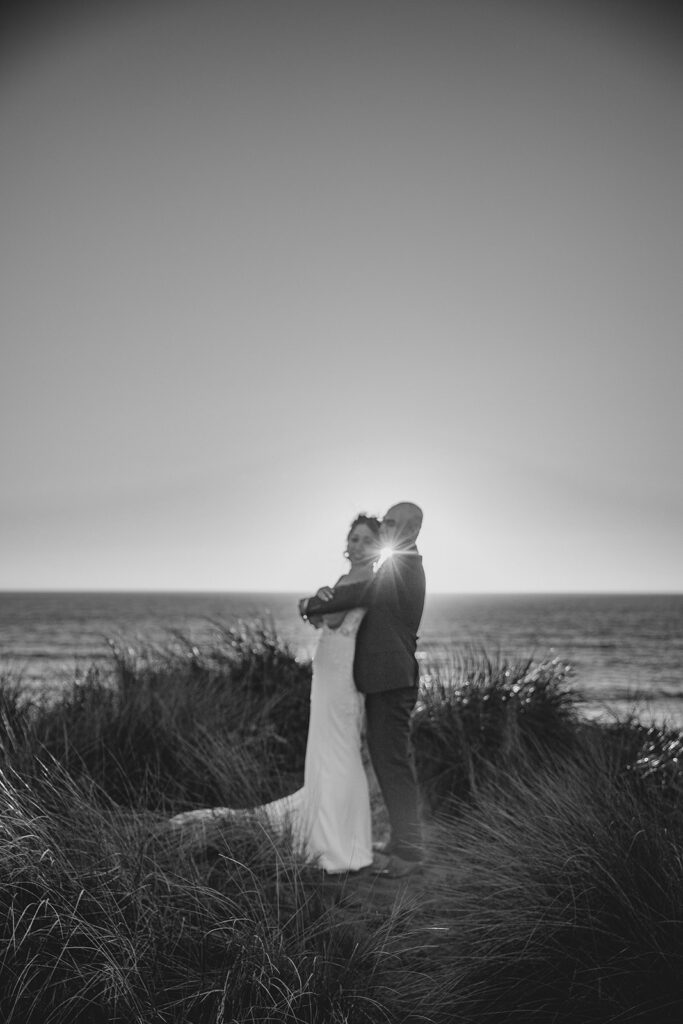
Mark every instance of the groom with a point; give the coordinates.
(385, 670)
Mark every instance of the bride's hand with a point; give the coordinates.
(325, 593)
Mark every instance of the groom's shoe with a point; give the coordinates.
(395, 867)
(386, 848)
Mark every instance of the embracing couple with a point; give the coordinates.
(365, 665)
(364, 669)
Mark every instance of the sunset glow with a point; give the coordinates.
(267, 265)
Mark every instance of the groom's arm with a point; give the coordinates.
(352, 595)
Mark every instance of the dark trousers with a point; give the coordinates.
(388, 733)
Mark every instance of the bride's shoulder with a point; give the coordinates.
(350, 579)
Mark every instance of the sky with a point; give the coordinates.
(265, 264)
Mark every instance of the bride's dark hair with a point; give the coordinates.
(362, 519)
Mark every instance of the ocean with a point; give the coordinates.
(625, 650)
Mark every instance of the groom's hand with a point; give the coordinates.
(324, 594)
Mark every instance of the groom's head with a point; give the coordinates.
(401, 525)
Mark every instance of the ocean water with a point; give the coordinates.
(626, 650)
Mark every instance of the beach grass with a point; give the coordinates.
(175, 728)
(478, 715)
(552, 891)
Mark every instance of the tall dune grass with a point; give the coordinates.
(178, 728)
(553, 889)
(566, 893)
(107, 916)
(478, 714)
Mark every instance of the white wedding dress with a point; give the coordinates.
(329, 818)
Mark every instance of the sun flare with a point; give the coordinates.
(385, 553)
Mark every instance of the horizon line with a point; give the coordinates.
(436, 593)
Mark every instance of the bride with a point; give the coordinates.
(329, 817)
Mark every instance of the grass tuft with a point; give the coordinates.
(477, 716)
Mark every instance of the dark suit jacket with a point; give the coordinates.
(387, 636)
